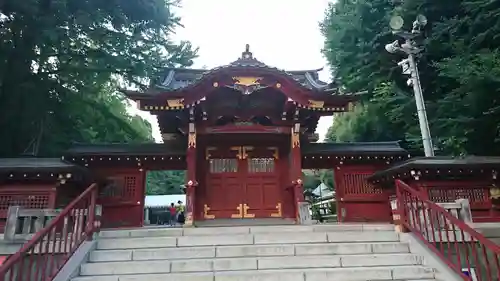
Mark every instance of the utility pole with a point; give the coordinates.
(410, 68)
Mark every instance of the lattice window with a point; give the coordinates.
(438, 194)
(223, 165)
(120, 187)
(357, 184)
(261, 165)
(130, 187)
(114, 188)
(25, 201)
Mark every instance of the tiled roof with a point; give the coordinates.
(179, 78)
(353, 147)
(440, 162)
(33, 163)
(171, 148)
(443, 161)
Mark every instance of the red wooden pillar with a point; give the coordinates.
(296, 168)
(191, 175)
(143, 180)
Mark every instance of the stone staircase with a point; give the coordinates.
(277, 253)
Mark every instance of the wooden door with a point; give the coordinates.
(262, 186)
(358, 200)
(243, 183)
(262, 198)
(225, 190)
(122, 200)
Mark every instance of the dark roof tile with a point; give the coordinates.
(354, 147)
(171, 148)
(32, 163)
(179, 78)
(439, 162)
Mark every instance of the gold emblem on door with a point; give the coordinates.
(278, 213)
(245, 212)
(242, 212)
(239, 214)
(207, 216)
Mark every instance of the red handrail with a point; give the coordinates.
(42, 257)
(460, 246)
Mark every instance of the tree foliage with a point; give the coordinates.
(313, 178)
(62, 60)
(165, 182)
(459, 69)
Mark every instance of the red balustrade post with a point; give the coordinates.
(401, 207)
(68, 226)
(91, 216)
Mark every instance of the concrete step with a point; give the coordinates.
(248, 251)
(341, 274)
(175, 232)
(343, 252)
(248, 239)
(489, 230)
(244, 222)
(254, 263)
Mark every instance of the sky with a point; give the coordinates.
(281, 33)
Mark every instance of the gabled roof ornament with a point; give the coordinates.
(247, 55)
(247, 60)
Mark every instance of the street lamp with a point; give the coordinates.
(409, 66)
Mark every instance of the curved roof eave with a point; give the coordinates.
(216, 71)
(246, 62)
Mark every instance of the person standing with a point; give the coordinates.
(181, 217)
(173, 212)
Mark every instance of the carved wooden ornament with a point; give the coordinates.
(316, 104)
(175, 103)
(247, 81)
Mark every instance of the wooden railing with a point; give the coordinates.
(22, 224)
(45, 254)
(463, 249)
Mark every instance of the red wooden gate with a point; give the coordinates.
(358, 200)
(122, 200)
(263, 198)
(224, 191)
(242, 183)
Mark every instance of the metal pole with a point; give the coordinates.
(422, 115)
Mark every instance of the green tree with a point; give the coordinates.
(381, 118)
(313, 178)
(355, 35)
(60, 63)
(165, 182)
(459, 69)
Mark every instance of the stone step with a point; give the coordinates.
(254, 263)
(248, 239)
(489, 230)
(175, 232)
(248, 251)
(341, 274)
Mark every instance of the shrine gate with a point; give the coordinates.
(243, 132)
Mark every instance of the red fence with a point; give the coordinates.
(47, 252)
(454, 241)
